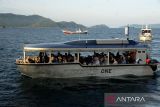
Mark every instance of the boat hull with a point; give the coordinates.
(77, 70)
(145, 38)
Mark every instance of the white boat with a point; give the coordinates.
(86, 58)
(67, 32)
(145, 34)
(79, 31)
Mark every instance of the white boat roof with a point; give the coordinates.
(146, 29)
(83, 45)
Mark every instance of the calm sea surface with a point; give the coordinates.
(16, 90)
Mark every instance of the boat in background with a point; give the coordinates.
(67, 32)
(79, 31)
(145, 34)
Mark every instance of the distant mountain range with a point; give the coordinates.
(14, 20)
(70, 25)
(101, 26)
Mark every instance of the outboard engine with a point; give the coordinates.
(153, 64)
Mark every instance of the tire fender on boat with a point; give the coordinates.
(153, 64)
(154, 67)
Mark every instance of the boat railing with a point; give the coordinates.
(35, 60)
(19, 61)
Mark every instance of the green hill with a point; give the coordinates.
(13, 20)
(70, 25)
(101, 26)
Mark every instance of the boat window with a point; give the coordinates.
(62, 57)
(85, 58)
(149, 31)
(143, 31)
(143, 51)
(51, 57)
(146, 31)
(37, 57)
(94, 58)
(139, 51)
(102, 58)
(124, 57)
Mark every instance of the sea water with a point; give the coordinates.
(17, 90)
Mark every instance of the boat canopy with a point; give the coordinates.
(87, 45)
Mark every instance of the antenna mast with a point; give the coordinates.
(127, 32)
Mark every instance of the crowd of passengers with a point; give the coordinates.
(95, 59)
(53, 58)
(102, 59)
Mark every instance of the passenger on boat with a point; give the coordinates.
(123, 60)
(64, 59)
(41, 56)
(46, 58)
(81, 59)
(29, 60)
(59, 58)
(70, 58)
(76, 58)
(105, 62)
(131, 57)
(88, 60)
(148, 60)
(66, 56)
(118, 58)
(96, 60)
(37, 59)
(111, 59)
(56, 59)
(52, 57)
(115, 62)
(101, 59)
(138, 61)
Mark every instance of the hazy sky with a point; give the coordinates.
(88, 12)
